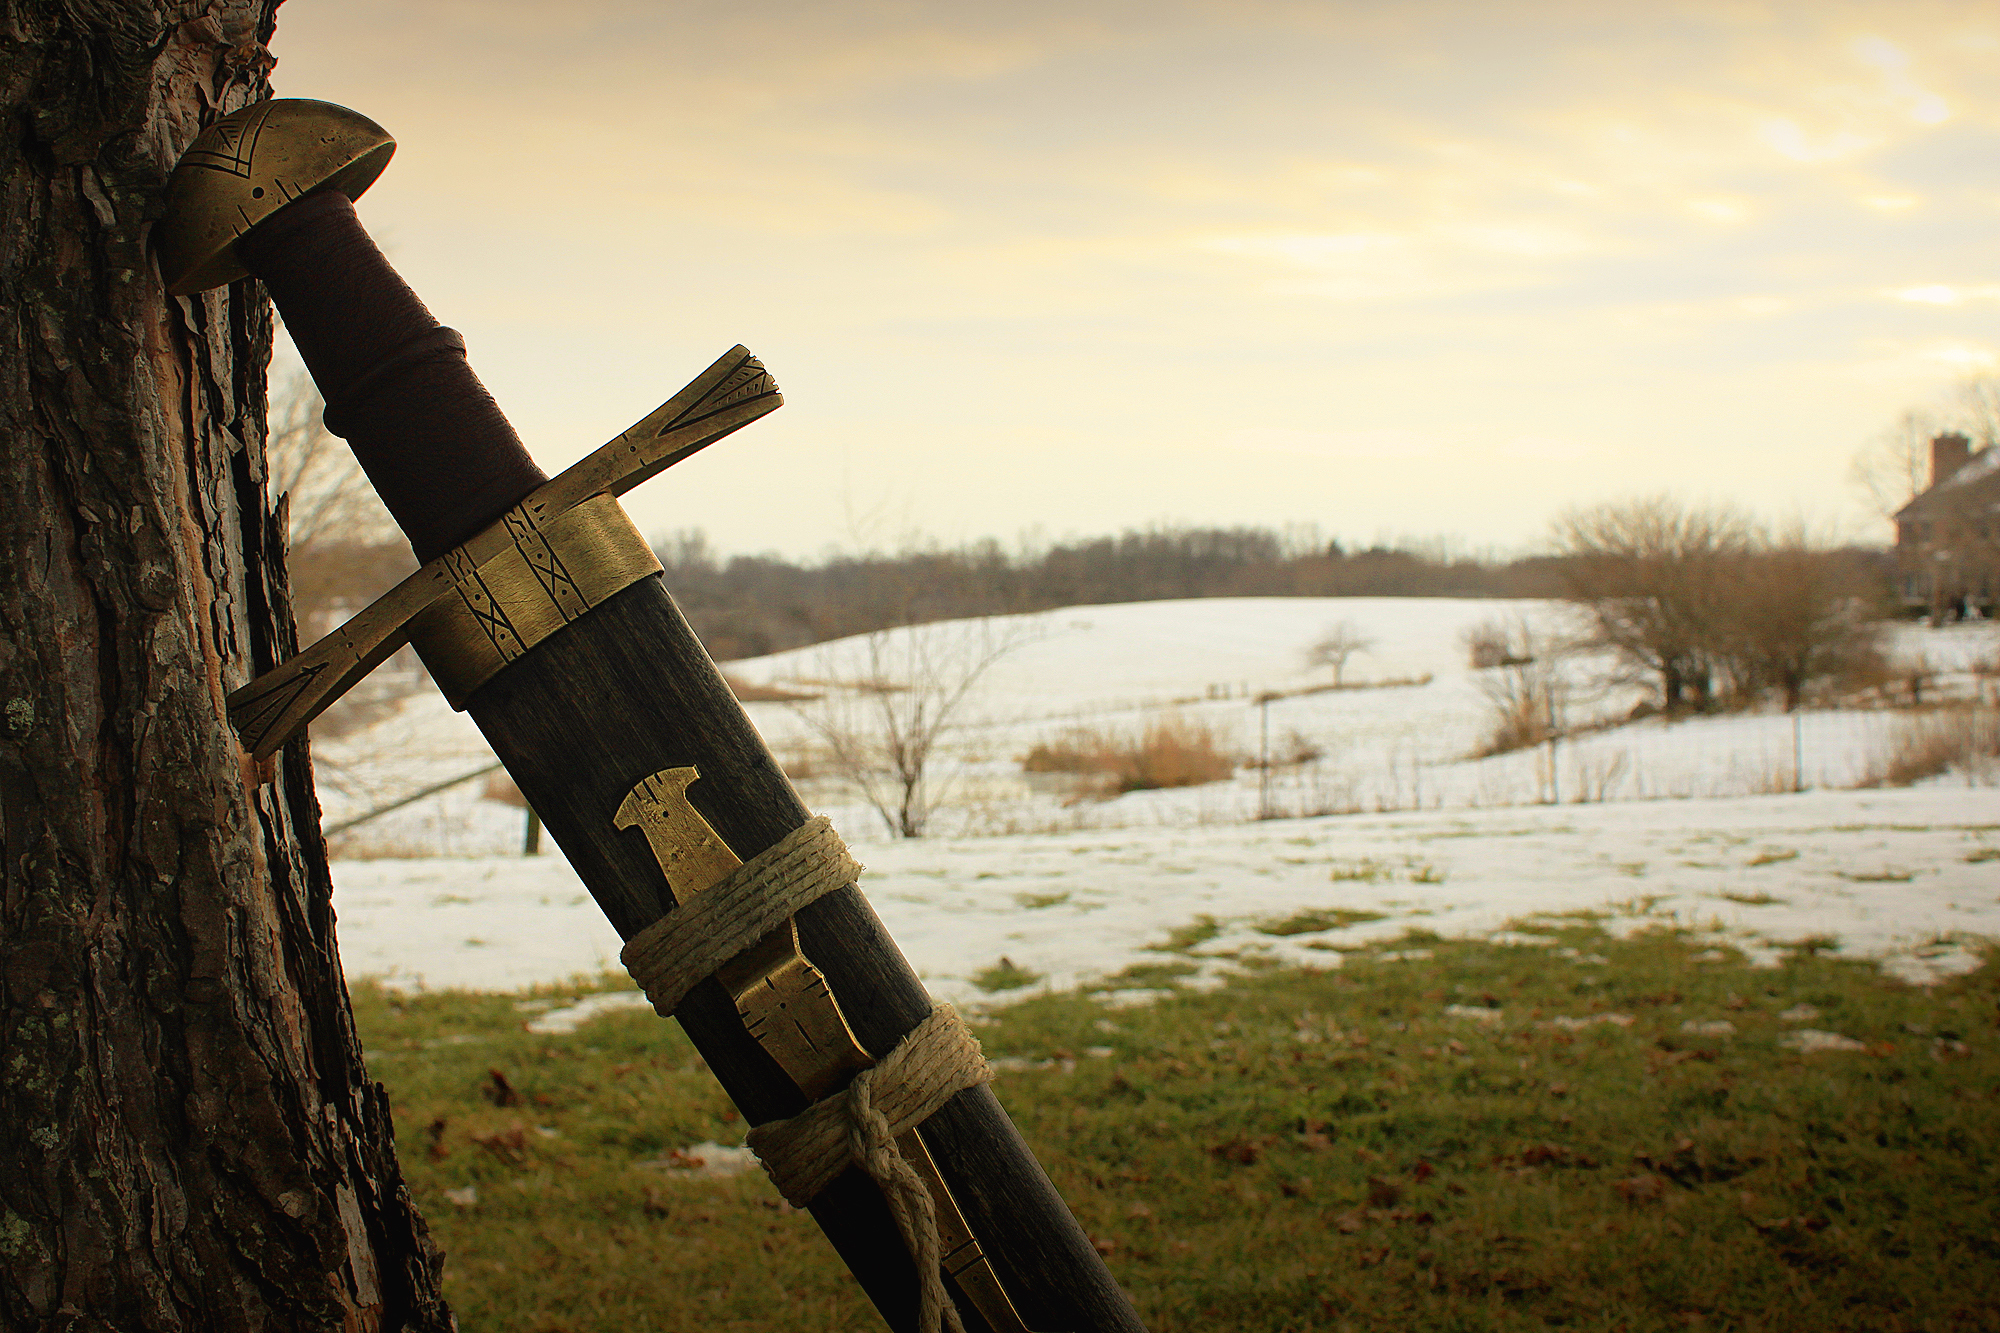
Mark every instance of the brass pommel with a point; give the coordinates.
(247, 166)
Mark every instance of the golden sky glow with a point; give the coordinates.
(1072, 267)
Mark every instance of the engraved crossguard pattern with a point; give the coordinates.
(545, 562)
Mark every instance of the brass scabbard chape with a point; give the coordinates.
(549, 573)
(247, 166)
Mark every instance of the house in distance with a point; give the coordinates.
(1948, 535)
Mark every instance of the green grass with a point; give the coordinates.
(1773, 858)
(1183, 939)
(1757, 899)
(1004, 975)
(1368, 870)
(1314, 920)
(1297, 1150)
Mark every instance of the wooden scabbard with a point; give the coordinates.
(627, 691)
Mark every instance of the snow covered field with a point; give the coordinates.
(1077, 889)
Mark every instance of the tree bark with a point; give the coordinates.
(188, 1138)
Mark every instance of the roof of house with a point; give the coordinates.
(1977, 479)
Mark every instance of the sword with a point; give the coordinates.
(540, 611)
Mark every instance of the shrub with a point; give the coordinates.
(1172, 752)
(1927, 744)
(1496, 643)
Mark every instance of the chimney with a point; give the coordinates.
(1948, 455)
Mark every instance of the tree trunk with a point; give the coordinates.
(188, 1139)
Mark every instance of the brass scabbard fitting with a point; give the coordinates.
(247, 166)
(565, 548)
(549, 574)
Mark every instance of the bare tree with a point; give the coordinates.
(189, 1137)
(1498, 641)
(1523, 682)
(1896, 464)
(344, 549)
(1336, 644)
(1795, 612)
(882, 724)
(1653, 574)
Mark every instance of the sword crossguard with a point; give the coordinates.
(276, 706)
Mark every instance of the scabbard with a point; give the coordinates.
(575, 756)
(619, 693)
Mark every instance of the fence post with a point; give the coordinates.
(1264, 756)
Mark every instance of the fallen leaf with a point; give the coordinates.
(1243, 1152)
(498, 1090)
(506, 1144)
(1645, 1188)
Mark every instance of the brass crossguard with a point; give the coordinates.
(553, 556)
(785, 1004)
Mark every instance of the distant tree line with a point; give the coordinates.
(749, 605)
(1703, 601)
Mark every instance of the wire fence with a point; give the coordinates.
(982, 790)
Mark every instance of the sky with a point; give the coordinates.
(1037, 270)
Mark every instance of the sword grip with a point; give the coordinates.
(396, 382)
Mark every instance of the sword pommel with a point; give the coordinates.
(247, 166)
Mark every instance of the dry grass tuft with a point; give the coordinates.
(1172, 752)
(1940, 740)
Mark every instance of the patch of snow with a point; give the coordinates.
(1809, 1040)
(573, 1016)
(1575, 1024)
(703, 1161)
(1714, 1027)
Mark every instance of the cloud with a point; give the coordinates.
(1462, 233)
(1943, 294)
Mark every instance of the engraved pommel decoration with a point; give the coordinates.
(247, 166)
(555, 555)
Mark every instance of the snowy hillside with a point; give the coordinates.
(1114, 669)
(1069, 886)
